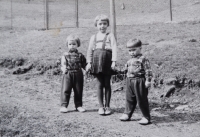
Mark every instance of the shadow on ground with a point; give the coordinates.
(185, 117)
(165, 114)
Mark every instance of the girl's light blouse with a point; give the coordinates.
(111, 44)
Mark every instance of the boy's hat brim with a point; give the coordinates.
(134, 43)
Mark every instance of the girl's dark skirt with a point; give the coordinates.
(101, 62)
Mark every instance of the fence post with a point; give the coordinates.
(170, 5)
(11, 16)
(113, 17)
(76, 11)
(47, 14)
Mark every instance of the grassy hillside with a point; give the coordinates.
(169, 45)
(30, 104)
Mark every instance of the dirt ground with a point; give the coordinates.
(30, 83)
(30, 102)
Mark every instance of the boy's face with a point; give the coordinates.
(72, 44)
(133, 52)
(102, 26)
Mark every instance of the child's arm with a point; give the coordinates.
(63, 64)
(114, 50)
(83, 61)
(90, 53)
(148, 72)
(125, 69)
(121, 70)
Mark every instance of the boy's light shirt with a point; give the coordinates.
(133, 67)
(111, 44)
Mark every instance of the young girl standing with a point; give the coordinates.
(101, 58)
(72, 63)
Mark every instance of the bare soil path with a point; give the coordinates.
(39, 95)
(30, 102)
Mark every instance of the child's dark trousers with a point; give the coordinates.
(72, 80)
(136, 92)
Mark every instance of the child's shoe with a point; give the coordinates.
(81, 109)
(63, 110)
(108, 111)
(144, 121)
(101, 111)
(124, 117)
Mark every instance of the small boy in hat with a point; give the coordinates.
(138, 81)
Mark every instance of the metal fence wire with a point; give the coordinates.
(62, 13)
(22, 14)
(32, 14)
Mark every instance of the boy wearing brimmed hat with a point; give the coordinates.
(138, 81)
(72, 63)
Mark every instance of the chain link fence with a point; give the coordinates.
(32, 14)
(35, 14)
(62, 13)
(22, 14)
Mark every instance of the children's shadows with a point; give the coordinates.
(167, 117)
(87, 110)
(162, 115)
(92, 110)
(118, 110)
(167, 114)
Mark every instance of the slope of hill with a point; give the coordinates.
(29, 102)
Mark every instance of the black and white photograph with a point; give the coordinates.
(99, 68)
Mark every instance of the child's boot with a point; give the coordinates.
(101, 111)
(63, 110)
(81, 109)
(144, 121)
(108, 111)
(124, 117)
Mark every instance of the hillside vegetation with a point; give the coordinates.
(30, 76)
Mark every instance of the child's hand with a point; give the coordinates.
(65, 71)
(113, 65)
(84, 72)
(147, 84)
(88, 67)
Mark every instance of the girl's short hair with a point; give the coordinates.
(75, 38)
(101, 18)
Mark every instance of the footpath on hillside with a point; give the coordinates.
(34, 103)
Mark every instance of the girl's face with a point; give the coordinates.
(102, 26)
(72, 44)
(134, 52)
